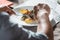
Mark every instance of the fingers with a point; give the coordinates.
(6, 3)
(9, 3)
(8, 10)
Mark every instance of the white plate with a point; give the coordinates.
(19, 15)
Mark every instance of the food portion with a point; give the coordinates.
(28, 16)
(24, 11)
(28, 20)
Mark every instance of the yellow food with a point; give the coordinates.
(28, 17)
(28, 20)
(23, 11)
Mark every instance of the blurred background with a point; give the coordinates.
(57, 30)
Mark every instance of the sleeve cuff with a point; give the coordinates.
(41, 33)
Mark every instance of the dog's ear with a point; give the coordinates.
(40, 5)
(47, 8)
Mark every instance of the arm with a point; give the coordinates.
(6, 3)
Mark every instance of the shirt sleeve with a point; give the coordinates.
(13, 31)
(35, 36)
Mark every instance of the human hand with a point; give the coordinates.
(6, 3)
(7, 9)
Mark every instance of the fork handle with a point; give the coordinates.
(7, 9)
